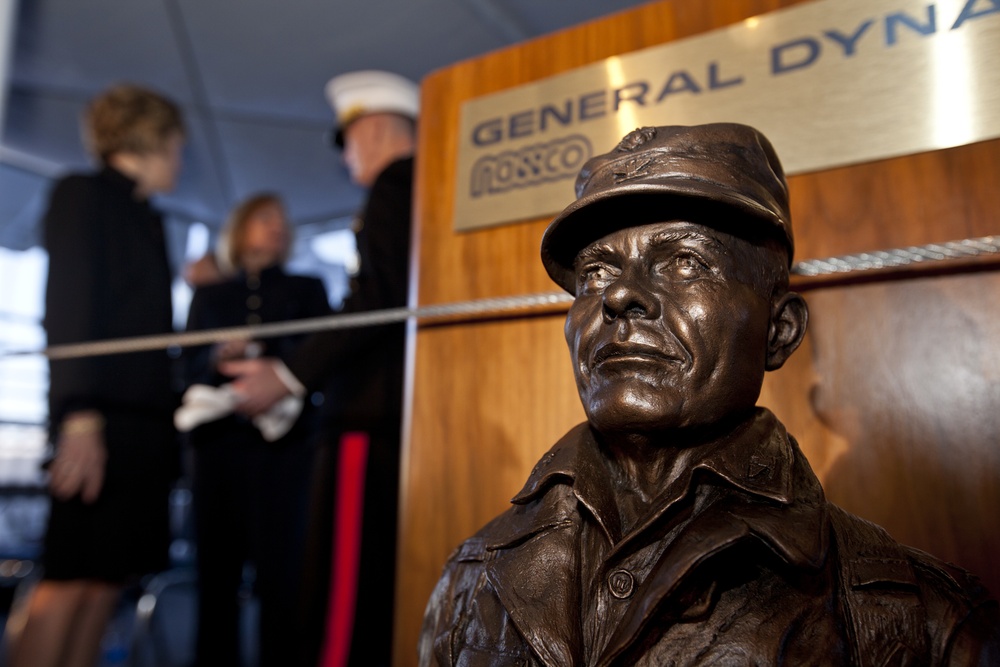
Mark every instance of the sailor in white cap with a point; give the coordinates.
(375, 125)
(375, 114)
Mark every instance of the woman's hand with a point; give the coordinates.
(78, 467)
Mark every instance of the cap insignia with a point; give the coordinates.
(631, 168)
(352, 114)
(635, 139)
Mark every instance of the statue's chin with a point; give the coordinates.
(635, 406)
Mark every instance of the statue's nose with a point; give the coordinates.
(630, 296)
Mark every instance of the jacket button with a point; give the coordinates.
(622, 584)
(253, 302)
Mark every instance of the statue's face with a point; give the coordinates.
(666, 331)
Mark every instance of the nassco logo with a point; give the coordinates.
(531, 165)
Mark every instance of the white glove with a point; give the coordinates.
(203, 403)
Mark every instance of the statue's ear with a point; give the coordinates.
(789, 317)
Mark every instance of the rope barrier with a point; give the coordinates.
(866, 261)
(290, 327)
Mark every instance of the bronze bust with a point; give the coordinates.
(681, 524)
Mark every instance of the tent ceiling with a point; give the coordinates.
(250, 76)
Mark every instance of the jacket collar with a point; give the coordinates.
(273, 272)
(772, 496)
(757, 457)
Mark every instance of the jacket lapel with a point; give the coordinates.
(796, 528)
(538, 581)
(708, 534)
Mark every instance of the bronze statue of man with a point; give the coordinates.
(681, 524)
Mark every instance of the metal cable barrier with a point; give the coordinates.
(866, 261)
(885, 259)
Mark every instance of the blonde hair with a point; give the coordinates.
(233, 238)
(127, 118)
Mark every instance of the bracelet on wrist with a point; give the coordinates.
(82, 425)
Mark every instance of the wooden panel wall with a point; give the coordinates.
(894, 397)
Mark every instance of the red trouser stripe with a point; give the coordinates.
(348, 514)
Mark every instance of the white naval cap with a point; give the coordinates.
(365, 92)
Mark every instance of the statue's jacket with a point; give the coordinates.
(741, 562)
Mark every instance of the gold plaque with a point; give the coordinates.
(831, 83)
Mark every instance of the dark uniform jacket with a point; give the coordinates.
(251, 495)
(361, 371)
(366, 363)
(741, 562)
(273, 296)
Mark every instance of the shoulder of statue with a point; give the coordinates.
(898, 598)
(948, 577)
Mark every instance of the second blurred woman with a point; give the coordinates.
(250, 495)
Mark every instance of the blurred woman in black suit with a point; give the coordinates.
(251, 495)
(115, 455)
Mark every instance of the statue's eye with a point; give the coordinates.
(684, 266)
(596, 275)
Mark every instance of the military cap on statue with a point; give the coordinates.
(726, 174)
(365, 92)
